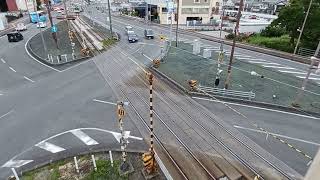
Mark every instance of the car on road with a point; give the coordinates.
(132, 37)
(128, 28)
(148, 33)
(15, 36)
(21, 27)
(41, 25)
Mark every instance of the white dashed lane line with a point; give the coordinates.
(28, 79)
(12, 69)
(3, 61)
(84, 137)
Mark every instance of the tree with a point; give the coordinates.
(291, 18)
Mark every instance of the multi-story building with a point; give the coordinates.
(191, 11)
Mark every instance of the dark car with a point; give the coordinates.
(14, 36)
(148, 33)
(132, 37)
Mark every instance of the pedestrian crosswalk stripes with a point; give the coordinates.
(312, 78)
(16, 163)
(278, 67)
(84, 137)
(50, 147)
(258, 62)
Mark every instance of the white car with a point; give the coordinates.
(41, 25)
(21, 27)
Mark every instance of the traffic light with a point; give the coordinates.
(193, 84)
(149, 162)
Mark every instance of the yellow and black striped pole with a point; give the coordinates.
(121, 114)
(151, 112)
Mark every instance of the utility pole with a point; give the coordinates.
(295, 103)
(301, 30)
(54, 34)
(236, 29)
(221, 53)
(27, 9)
(178, 5)
(110, 22)
(41, 34)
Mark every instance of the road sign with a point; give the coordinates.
(121, 112)
(54, 29)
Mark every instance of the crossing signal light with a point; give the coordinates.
(121, 112)
(193, 84)
(149, 162)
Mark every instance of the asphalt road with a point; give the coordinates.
(49, 103)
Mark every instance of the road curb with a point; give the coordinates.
(27, 168)
(229, 99)
(37, 57)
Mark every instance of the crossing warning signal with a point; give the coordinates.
(121, 112)
(156, 63)
(193, 84)
(149, 162)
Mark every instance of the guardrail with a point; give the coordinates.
(226, 92)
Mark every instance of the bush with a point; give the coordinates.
(108, 42)
(240, 37)
(273, 31)
(279, 43)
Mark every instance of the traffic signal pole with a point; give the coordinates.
(123, 141)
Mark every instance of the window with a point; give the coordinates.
(217, 4)
(205, 1)
(164, 10)
(186, 11)
(196, 1)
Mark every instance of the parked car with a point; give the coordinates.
(41, 25)
(132, 37)
(21, 27)
(148, 33)
(15, 36)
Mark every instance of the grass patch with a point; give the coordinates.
(281, 43)
(108, 42)
(106, 171)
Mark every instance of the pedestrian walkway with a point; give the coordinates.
(263, 62)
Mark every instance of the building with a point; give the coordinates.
(17, 5)
(191, 12)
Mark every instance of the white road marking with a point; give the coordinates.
(16, 163)
(292, 72)
(76, 65)
(134, 62)
(278, 67)
(257, 62)
(313, 78)
(6, 114)
(118, 135)
(255, 107)
(279, 135)
(28, 79)
(147, 57)
(241, 55)
(84, 137)
(12, 69)
(3, 60)
(26, 49)
(50, 147)
(255, 59)
(106, 102)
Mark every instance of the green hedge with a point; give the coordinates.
(279, 43)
